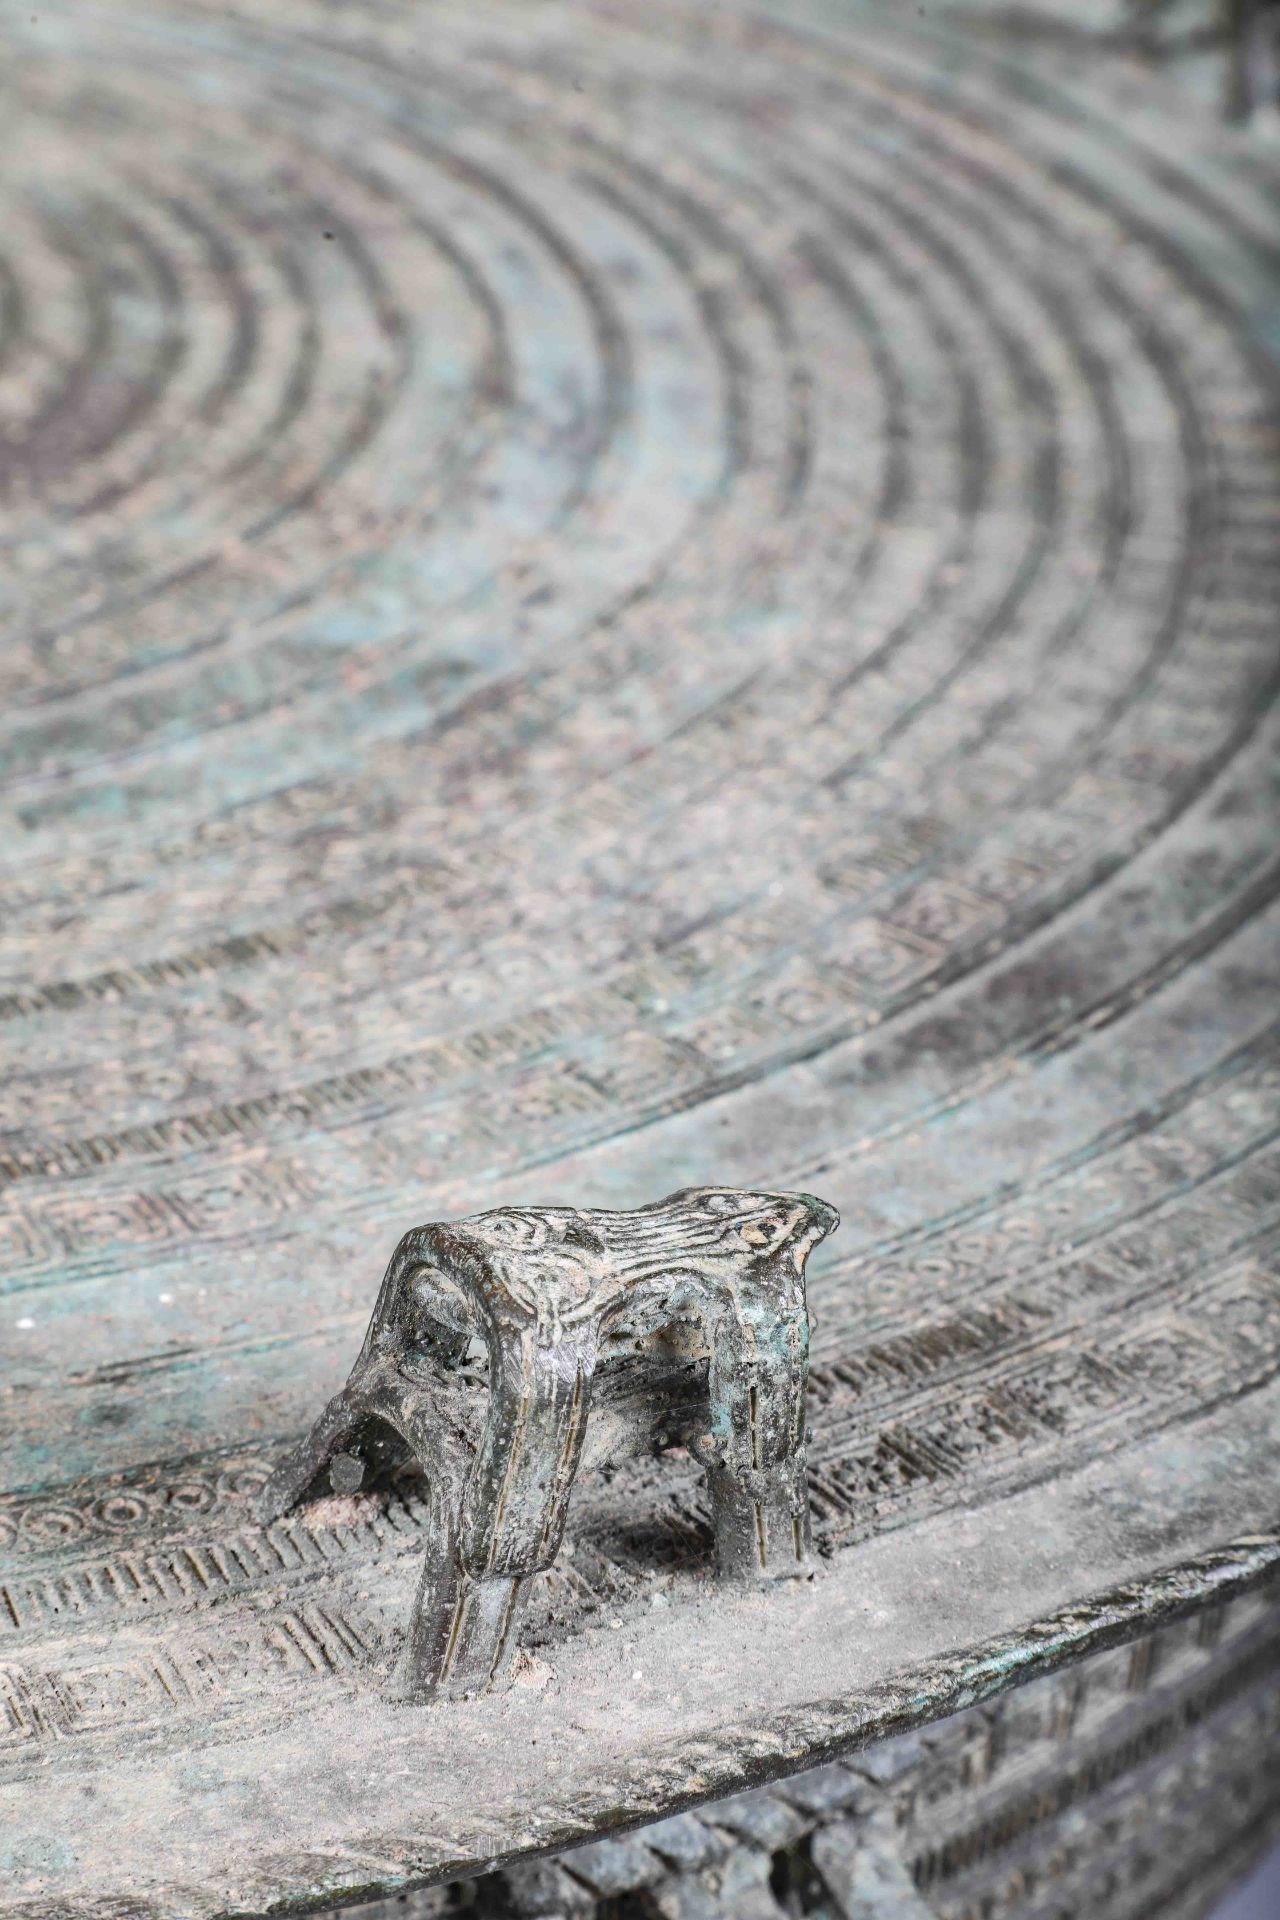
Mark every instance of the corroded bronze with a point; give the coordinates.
(1045, 1801)
(686, 1319)
(598, 596)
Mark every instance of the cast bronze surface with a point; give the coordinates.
(686, 1319)
(1135, 1785)
(600, 596)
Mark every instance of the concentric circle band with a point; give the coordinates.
(601, 598)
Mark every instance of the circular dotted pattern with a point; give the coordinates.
(606, 598)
